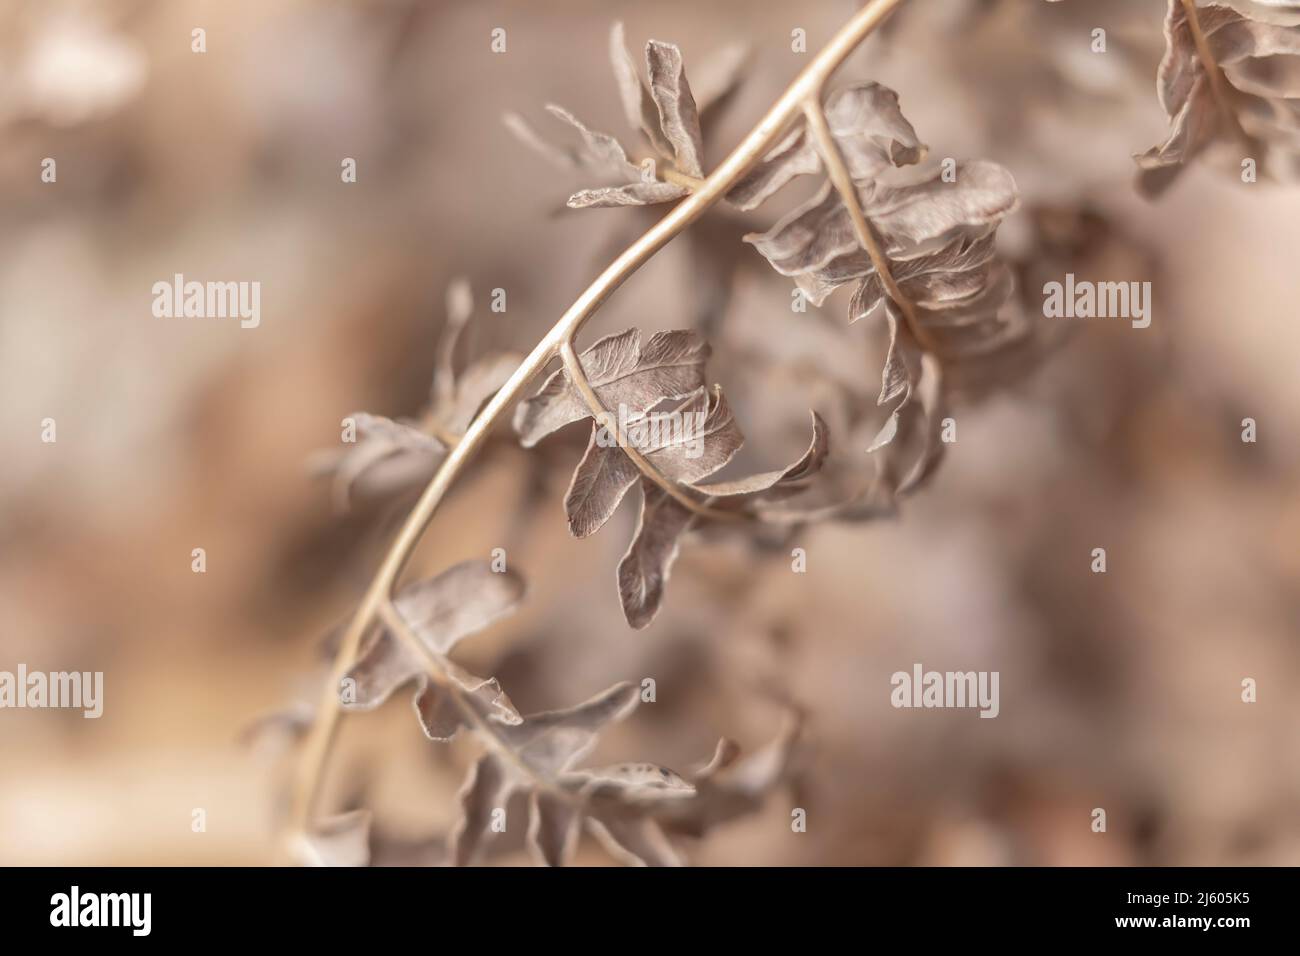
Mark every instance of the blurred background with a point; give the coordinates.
(1119, 690)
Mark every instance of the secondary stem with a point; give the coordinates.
(842, 180)
(671, 175)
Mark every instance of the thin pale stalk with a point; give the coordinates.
(751, 149)
(671, 175)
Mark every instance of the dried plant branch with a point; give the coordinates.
(807, 87)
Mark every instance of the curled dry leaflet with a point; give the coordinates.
(913, 242)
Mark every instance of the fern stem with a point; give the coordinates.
(807, 85)
(670, 175)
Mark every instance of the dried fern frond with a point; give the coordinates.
(919, 249)
(391, 456)
(662, 108)
(628, 806)
(1225, 78)
(698, 438)
(440, 612)
(868, 127)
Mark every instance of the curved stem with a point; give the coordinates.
(807, 85)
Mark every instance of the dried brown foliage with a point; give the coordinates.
(912, 241)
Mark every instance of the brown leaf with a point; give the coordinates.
(637, 841)
(938, 233)
(553, 741)
(817, 245)
(547, 745)
(382, 666)
(868, 127)
(734, 787)
(679, 118)
(643, 193)
(638, 106)
(441, 611)
(534, 755)
(460, 306)
(389, 456)
(599, 152)
(621, 372)
(599, 483)
(929, 278)
(784, 479)
(912, 431)
(460, 601)
(630, 806)
(601, 155)
(666, 114)
(724, 755)
(441, 713)
(933, 409)
(957, 300)
(644, 569)
(684, 444)
(552, 828)
(792, 156)
(383, 460)
(486, 789)
(640, 785)
(625, 805)
(898, 378)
